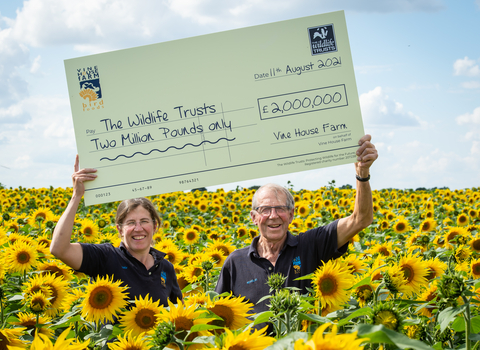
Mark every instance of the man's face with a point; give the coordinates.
(272, 227)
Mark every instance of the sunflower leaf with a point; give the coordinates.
(448, 315)
(357, 313)
(306, 277)
(262, 317)
(382, 334)
(366, 280)
(314, 318)
(203, 327)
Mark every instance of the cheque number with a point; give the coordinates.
(302, 102)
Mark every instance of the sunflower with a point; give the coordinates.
(21, 257)
(73, 298)
(56, 268)
(401, 225)
(475, 244)
(428, 225)
(38, 302)
(462, 254)
(383, 249)
(193, 273)
(42, 342)
(143, 317)
(435, 267)
(88, 231)
(217, 256)
(429, 296)
(129, 342)
(356, 264)
(39, 215)
(387, 315)
(184, 318)
(415, 272)
(191, 236)
(303, 210)
(103, 300)
(55, 287)
(29, 321)
(173, 254)
(331, 282)
(364, 293)
(462, 220)
(225, 247)
(330, 341)
(455, 234)
(232, 310)
(242, 232)
(246, 340)
(11, 338)
(475, 268)
(394, 279)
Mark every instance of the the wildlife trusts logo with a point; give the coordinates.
(322, 39)
(90, 89)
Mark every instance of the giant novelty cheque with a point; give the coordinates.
(219, 108)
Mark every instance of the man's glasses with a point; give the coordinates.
(133, 223)
(266, 210)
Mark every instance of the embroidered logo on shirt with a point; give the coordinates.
(124, 267)
(297, 264)
(163, 278)
(251, 281)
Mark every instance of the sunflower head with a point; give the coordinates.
(285, 301)
(276, 281)
(164, 335)
(387, 315)
(451, 286)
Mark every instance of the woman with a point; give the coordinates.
(142, 268)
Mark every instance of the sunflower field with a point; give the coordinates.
(408, 281)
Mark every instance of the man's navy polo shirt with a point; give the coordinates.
(245, 273)
(159, 282)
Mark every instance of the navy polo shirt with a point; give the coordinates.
(159, 282)
(245, 273)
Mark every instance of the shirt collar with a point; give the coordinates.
(290, 241)
(157, 255)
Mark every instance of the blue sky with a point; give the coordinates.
(417, 66)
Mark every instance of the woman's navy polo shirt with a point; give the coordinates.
(159, 282)
(245, 273)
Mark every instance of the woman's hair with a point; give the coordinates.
(277, 189)
(129, 205)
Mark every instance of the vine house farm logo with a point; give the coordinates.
(322, 39)
(90, 89)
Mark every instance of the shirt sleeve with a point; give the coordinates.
(94, 258)
(224, 280)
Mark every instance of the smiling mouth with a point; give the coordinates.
(138, 238)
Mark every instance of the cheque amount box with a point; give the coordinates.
(305, 101)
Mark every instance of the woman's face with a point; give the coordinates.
(137, 230)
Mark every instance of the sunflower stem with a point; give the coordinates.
(466, 314)
(377, 293)
(207, 282)
(1, 306)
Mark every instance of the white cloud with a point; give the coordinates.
(469, 118)
(35, 65)
(380, 110)
(466, 67)
(471, 85)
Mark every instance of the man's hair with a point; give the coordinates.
(277, 189)
(129, 205)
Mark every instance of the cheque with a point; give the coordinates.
(230, 106)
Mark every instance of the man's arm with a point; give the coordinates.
(362, 215)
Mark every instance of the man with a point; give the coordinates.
(275, 250)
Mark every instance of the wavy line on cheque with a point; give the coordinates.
(187, 144)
